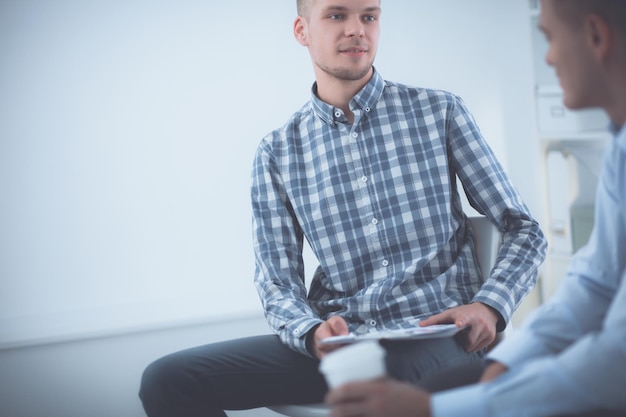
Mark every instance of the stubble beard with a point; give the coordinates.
(347, 74)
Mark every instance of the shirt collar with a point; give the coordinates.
(364, 100)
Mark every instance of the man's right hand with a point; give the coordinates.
(334, 326)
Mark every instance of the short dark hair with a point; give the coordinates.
(574, 11)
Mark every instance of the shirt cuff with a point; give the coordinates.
(468, 401)
(294, 334)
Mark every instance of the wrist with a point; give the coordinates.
(498, 319)
(310, 340)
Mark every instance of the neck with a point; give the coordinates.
(615, 74)
(617, 113)
(615, 105)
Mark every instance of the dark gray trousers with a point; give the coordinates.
(260, 371)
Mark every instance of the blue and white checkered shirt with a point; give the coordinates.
(377, 201)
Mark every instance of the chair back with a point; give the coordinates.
(487, 239)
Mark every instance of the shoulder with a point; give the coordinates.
(420, 93)
(424, 102)
(434, 100)
(284, 137)
(293, 125)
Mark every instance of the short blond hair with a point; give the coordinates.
(303, 7)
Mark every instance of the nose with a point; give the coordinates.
(354, 27)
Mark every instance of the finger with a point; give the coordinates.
(356, 409)
(324, 349)
(323, 331)
(334, 326)
(334, 397)
(485, 341)
(470, 340)
(338, 325)
(479, 340)
(442, 318)
(347, 410)
(476, 346)
(477, 336)
(349, 392)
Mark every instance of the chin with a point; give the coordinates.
(572, 103)
(579, 98)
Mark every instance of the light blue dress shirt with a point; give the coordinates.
(571, 354)
(377, 201)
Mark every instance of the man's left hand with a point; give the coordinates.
(480, 319)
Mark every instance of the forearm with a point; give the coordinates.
(539, 388)
(515, 274)
(287, 312)
(490, 191)
(578, 308)
(586, 377)
(596, 362)
(546, 332)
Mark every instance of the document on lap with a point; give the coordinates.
(426, 332)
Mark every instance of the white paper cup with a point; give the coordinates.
(357, 362)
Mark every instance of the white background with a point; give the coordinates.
(127, 131)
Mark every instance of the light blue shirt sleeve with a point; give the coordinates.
(571, 354)
(587, 375)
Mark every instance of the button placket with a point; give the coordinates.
(370, 218)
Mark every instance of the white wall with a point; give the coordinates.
(127, 130)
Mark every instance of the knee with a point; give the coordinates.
(160, 381)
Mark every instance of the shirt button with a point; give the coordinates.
(337, 114)
(367, 109)
(385, 262)
(355, 135)
(372, 323)
(364, 178)
(297, 331)
(374, 220)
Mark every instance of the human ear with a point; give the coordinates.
(300, 31)
(599, 35)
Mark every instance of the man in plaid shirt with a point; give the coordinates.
(366, 173)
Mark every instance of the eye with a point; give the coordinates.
(336, 17)
(369, 18)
